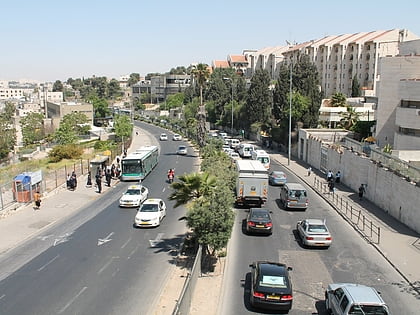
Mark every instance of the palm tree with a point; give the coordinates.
(349, 118)
(338, 100)
(201, 73)
(192, 187)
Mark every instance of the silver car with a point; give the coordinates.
(314, 232)
(182, 150)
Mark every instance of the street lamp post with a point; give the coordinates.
(290, 114)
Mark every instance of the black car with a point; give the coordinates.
(259, 221)
(271, 287)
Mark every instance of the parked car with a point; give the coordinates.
(277, 178)
(182, 150)
(259, 220)
(271, 287)
(176, 137)
(134, 196)
(314, 232)
(350, 298)
(150, 213)
(163, 137)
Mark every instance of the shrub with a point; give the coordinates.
(67, 151)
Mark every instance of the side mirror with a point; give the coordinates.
(289, 268)
(252, 265)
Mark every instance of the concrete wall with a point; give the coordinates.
(386, 189)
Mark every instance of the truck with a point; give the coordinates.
(251, 183)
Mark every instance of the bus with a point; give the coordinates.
(137, 165)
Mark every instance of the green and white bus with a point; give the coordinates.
(137, 165)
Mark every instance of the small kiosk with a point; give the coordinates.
(25, 184)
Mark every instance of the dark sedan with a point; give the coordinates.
(271, 287)
(259, 221)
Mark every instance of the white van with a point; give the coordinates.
(262, 156)
(245, 150)
(234, 143)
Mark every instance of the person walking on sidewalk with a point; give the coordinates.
(309, 171)
(329, 176)
(362, 190)
(89, 180)
(98, 179)
(331, 186)
(338, 177)
(37, 199)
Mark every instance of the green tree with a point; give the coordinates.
(192, 187)
(349, 118)
(32, 128)
(178, 70)
(201, 73)
(78, 122)
(65, 134)
(134, 78)
(58, 86)
(339, 100)
(355, 88)
(8, 137)
(174, 101)
(100, 106)
(123, 126)
(114, 89)
(260, 99)
(9, 111)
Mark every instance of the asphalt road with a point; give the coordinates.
(97, 262)
(349, 259)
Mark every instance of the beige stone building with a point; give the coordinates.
(56, 111)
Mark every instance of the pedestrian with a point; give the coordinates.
(98, 179)
(74, 179)
(89, 180)
(113, 170)
(68, 181)
(329, 176)
(362, 190)
(37, 200)
(309, 171)
(338, 177)
(137, 133)
(108, 177)
(331, 186)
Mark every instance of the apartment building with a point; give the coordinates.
(56, 111)
(398, 111)
(269, 58)
(338, 58)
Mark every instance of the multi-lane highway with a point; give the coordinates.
(97, 262)
(349, 259)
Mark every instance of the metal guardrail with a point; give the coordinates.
(183, 304)
(352, 213)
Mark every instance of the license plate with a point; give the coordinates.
(259, 226)
(273, 297)
(144, 223)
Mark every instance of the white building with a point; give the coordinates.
(398, 111)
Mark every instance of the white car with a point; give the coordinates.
(176, 137)
(314, 232)
(150, 213)
(234, 156)
(182, 150)
(134, 196)
(163, 137)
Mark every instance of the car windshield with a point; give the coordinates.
(132, 192)
(368, 310)
(149, 207)
(273, 281)
(317, 228)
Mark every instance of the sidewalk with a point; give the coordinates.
(399, 245)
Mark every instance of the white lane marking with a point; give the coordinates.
(44, 266)
(72, 300)
(133, 251)
(157, 240)
(43, 238)
(106, 265)
(105, 240)
(62, 238)
(1, 297)
(126, 243)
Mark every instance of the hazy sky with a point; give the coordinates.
(55, 40)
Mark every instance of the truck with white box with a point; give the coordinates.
(251, 183)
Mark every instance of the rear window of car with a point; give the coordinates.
(317, 228)
(273, 281)
(297, 193)
(368, 310)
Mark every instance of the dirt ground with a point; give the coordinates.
(206, 294)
